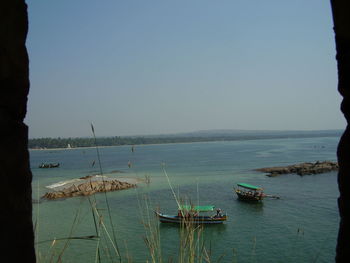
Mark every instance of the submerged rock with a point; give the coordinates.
(89, 188)
(301, 168)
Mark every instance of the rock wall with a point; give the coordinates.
(341, 19)
(17, 237)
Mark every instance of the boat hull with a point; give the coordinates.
(194, 220)
(248, 197)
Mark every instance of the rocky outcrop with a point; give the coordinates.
(301, 169)
(89, 188)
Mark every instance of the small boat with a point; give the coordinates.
(248, 192)
(49, 165)
(190, 214)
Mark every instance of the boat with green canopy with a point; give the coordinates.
(248, 192)
(191, 214)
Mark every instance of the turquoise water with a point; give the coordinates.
(299, 227)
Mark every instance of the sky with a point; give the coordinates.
(141, 67)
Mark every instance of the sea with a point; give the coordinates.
(301, 226)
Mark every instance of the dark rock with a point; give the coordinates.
(117, 172)
(301, 169)
(86, 177)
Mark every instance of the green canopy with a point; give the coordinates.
(249, 186)
(197, 208)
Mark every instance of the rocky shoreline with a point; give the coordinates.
(301, 168)
(88, 188)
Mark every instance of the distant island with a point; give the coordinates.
(199, 136)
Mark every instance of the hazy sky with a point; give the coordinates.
(151, 67)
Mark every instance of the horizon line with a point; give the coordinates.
(195, 132)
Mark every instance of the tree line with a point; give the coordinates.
(108, 141)
(49, 143)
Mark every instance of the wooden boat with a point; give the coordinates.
(248, 192)
(49, 165)
(190, 214)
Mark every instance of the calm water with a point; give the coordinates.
(299, 227)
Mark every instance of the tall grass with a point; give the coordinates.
(152, 231)
(190, 243)
(114, 242)
(191, 248)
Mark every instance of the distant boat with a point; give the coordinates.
(49, 165)
(248, 192)
(190, 214)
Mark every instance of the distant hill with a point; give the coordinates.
(197, 136)
(240, 133)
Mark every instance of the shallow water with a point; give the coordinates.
(299, 227)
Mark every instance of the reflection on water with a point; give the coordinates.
(253, 207)
(220, 228)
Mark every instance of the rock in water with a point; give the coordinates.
(301, 168)
(89, 188)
